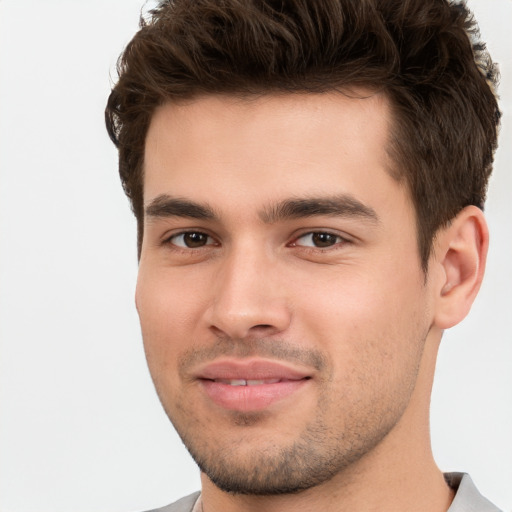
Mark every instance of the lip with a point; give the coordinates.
(275, 381)
(250, 369)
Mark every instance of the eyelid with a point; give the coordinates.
(343, 239)
(168, 239)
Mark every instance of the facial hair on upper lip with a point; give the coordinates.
(226, 347)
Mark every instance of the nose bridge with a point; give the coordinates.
(247, 297)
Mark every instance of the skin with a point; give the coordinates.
(234, 280)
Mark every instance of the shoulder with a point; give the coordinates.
(186, 504)
(467, 498)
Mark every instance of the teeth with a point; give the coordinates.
(260, 382)
(238, 382)
(244, 382)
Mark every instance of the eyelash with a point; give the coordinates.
(169, 240)
(340, 240)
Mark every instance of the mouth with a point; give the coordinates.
(247, 382)
(250, 385)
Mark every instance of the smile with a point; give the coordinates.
(247, 382)
(251, 384)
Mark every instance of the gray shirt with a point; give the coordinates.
(467, 498)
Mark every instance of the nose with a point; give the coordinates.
(248, 297)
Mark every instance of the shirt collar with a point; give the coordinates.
(467, 498)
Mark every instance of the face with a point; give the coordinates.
(280, 292)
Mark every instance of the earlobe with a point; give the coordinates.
(461, 252)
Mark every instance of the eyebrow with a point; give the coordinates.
(344, 205)
(167, 206)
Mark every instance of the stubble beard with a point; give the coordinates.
(239, 465)
(313, 459)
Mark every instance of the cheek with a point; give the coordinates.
(168, 312)
(168, 301)
(370, 322)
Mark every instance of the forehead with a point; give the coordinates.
(267, 146)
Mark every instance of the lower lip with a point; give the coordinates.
(250, 398)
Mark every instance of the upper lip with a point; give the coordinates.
(249, 369)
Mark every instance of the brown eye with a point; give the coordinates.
(191, 240)
(324, 239)
(319, 239)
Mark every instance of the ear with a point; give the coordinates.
(460, 256)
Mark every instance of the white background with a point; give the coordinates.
(81, 429)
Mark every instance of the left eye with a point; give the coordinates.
(318, 239)
(191, 240)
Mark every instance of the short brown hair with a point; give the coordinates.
(423, 54)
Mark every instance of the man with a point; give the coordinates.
(308, 180)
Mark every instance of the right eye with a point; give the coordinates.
(319, 239)
(191, 240)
